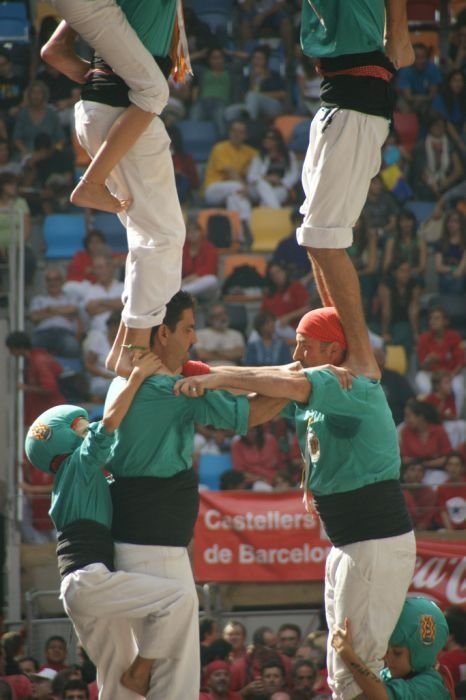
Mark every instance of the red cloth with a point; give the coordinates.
(217, 665)
(324, 325)
(41, 369)
(453, 659)
(261, 463)
(446, 407)
(284, 301)
(20, 685)
(40, 505)
(78, 269)
(185, 164)
(436, 445)
(204, 263)
(448, 349)
(447, 492)
(93, 691)
(193, 368)
(421, 502)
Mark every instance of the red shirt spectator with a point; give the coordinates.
(286, 300)
(434, 444)
(454, 659)
(445, 406)
(447, 348)
(21, 687)
(41, 383)
(451, 502)
(199, 261)
(257, 455)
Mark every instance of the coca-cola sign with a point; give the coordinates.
(440, 572)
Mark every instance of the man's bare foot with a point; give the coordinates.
(61, 57)
(138, 683)
(400, 53)
(112, 358)
(93, 195)
(124, 364)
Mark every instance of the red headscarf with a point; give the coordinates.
(215, 666)
(324, 325)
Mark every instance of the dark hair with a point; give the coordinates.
(259, 437)
(262, 318)
(424, 410)
(258, 635)
(18, 340)
(93, 233)
(456, 620)
(76, 685)
(449, 97)
(176, 138)
(219, 650)
(271, 286)
(437, 309)
(179, 303)
(299, 663)
(7, 178)
(55, 638)
(30, 658)
(444, 239)
(206, 626)
(274, 662)
(277, 135)
(231, 479)
(42, 140)
(291, 626)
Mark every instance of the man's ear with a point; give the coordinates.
(162, 334)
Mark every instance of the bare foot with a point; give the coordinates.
(66, 61)
(400, 53)
(112, 358)
(139, 683)
(93, 195)
(124, 366)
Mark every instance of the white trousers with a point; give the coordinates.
(154, 223)
(342, 158)
(424, 384)
(366, 582)
(229, 193)
(206, 286)
(172, 678)
(103, 25)
(99, 602)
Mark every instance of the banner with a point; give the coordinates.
(263, 537)
(257, 537)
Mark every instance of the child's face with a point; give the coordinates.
(80, 426)
(398, 661)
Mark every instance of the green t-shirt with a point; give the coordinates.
(331, 28)
(153, 22)
(427, 685)
(157, 434)
(217, 85)
(80, 490)
(349, 435)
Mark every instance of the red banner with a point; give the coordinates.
(257, 537)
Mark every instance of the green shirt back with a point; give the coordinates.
(427, 685)
(331, 28)
(153, 22)
(349, 436)
(156, 436)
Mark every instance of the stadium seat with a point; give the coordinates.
(396, 359)
(407, 128)
(63, 235)
(286, 124)
(268, 227)
(203, 219)
(113, 230)
(421, 210)
(211, 468)
(198, 138)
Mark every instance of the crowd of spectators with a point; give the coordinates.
(409, 245)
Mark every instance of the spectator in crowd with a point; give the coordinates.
(264, 90)
(11, 87)
(7, 164)
(225, 175)
(81, 266)
(48, 174)
(15, 219)
(13, 643)
(104, 296)
(235, 633)
(450, 103)
(283, 481)
(63, 92)
(231, 480)
(443, 399)
(76, 690)
(436, 165)
(19, 685)
(396, 386)
(208, 631)
(56, 652)
(267, 348)
(308, 83)
(292, 256)
(42, 684)
(287, 300)
(398, 295)
(453, 655)
(421, 500)
(363, 253)
(257, 456)
(418, 84)
(305, 675)
(423, 438)
(55, 317)
(457, 48)
(199, 270)
(441, 348)
(217, 343)
(213, 90)
(273, 173)
(451, 494)
(37, 116)
(28, 664)
(404, 245)
(219, 650)
(246, 673)
(289, 639)
(450, 254)
(186, 175)
(41, 373)
(380, 210)
(217, 682)
(264, 17)
(273, 677)
(96, 347)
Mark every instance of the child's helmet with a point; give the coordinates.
(51, 435)
(422, 628)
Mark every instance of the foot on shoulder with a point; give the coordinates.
(138, 683)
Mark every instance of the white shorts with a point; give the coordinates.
(342, 158)
(366, 582)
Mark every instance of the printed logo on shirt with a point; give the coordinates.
(427, 630)
(41, 431)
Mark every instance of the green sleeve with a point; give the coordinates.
(423, 686)
(328, 397)
(222, 410)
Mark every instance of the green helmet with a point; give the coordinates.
(422, 628)
(51, 435)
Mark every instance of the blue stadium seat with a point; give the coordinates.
(63, 235)
(113, 230)
(421, 210)
(299, 140)
(14, 22)
(211, 468)
(198, 138)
